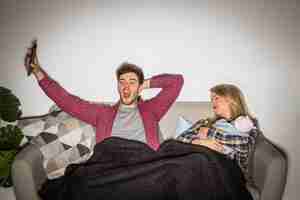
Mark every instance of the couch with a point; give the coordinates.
(268, 163)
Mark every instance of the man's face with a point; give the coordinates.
(129, 88)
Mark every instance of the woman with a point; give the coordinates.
(231, 131)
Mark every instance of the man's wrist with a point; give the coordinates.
(38, 73)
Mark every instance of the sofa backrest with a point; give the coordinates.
(192, 111)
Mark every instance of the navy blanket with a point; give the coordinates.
(126, 169)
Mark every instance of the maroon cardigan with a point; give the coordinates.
(102, 116)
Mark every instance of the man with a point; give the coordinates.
(131, 117)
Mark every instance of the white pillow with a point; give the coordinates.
(243, 124)
(182, 125)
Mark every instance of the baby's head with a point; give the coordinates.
(228, 101)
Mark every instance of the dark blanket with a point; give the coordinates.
(126, 169)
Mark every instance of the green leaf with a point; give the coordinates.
(10, 137)
(9, 105)
(4, 90)
(6, 160)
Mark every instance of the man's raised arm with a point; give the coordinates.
(69, 103)
(171, 85)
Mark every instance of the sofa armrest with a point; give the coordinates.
(27, 173)
(269, 169)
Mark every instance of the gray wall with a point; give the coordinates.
(254, 44)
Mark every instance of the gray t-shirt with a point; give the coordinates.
(128, 124)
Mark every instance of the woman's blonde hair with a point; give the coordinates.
(236, 99)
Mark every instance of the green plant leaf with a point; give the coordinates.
(9, 105)
(4, 90)
(10, 137)
(6, 159)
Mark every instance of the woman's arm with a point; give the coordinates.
(236, 136)
(210, 143)
(225, 134)
(231, 133)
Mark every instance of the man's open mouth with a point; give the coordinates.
(126, 95)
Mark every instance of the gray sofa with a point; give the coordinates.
(268, 164)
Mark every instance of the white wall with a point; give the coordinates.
(254, 44)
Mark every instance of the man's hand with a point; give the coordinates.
(210, 143)
(145, 85)
(32, 63)
(30, 57)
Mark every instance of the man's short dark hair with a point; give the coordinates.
(128, 67)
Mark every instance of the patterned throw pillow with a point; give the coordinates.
(31, 127)
(62, 139)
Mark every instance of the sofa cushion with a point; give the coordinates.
(61, 139)
(31, 127)
(182, 125)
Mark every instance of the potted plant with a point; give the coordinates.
(10, 134)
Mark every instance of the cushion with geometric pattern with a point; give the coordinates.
(63, 140)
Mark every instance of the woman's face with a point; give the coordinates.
(220, 105)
